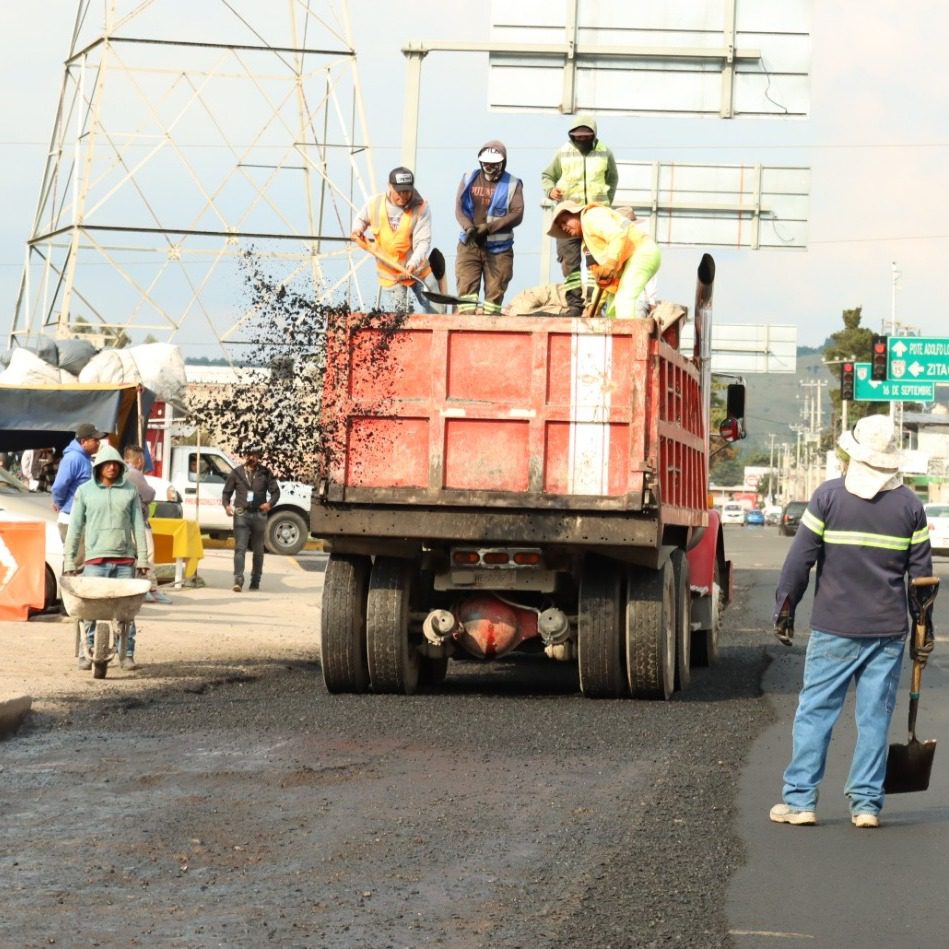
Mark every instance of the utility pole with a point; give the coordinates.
(771, 472)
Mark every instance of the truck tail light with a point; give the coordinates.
(528, 558)
(496, 556)
(465, 558)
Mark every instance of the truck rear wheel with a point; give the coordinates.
(599, 633)
(683, 619)
(393, 660)
(705, 641)
(343, 624)
(650, 632)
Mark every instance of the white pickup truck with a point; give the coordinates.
(198, 475)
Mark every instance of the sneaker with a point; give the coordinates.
(785, 814)
(865, 819)
(237, 587)
(160, 597)
(84, 664)
(128, 664)
(254, 586)
(150, 597)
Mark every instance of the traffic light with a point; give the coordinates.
(846, 382)
(878, 359)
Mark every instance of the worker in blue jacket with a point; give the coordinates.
(75, 469)
(867, 533)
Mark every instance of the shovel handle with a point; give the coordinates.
(394, 264)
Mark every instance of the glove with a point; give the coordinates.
(482, 230)
(470, 233)
(784, 625)
(923, 652)
(605, 276)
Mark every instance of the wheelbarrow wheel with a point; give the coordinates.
(100, 650)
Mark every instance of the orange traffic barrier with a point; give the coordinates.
(22, 568)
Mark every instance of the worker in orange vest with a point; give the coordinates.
(400, 224)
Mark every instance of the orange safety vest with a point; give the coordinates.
(611, 250)
(396, 245)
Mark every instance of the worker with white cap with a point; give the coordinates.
(488, 206)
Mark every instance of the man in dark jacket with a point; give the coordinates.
(488, 206)
(255, 491)
(866, 532)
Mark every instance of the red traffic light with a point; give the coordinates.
(878, 359)
(846, 381)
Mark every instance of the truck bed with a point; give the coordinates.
(567, 422)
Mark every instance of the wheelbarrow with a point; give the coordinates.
(112, 603)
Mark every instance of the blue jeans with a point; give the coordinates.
(832, 662)
(122, 571)
(395, 299)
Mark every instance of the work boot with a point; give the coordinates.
(237, 587)
(128, 664)
(865, 819)
(785, 814)
(254, 585)
(84, 664)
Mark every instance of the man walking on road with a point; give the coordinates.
(255, 491)
(75, 469)
(867, 533)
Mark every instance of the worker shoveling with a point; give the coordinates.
(909, 766)
(432, 295)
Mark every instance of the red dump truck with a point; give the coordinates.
(519, 483)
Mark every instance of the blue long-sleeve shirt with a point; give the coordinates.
(864, 551)
(74, 469)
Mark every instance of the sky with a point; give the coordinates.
(876, 141)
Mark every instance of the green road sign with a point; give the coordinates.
(923, 358)
(866, 390)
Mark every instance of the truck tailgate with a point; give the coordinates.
(525, 412)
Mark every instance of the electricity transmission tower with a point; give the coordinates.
(187, 136)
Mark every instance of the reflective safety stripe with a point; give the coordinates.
(573, 281)
(814, 523)
(860, 539)
(920, 536)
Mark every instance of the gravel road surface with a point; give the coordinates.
(221, 797)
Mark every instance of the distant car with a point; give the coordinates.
(772, 514)
(791, 517)
(18, 504)
(733, 513)
(938, 517)
(754, 518)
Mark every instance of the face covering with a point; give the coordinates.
(491, 170)
(583, 145)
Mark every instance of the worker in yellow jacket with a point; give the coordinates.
(625, 258)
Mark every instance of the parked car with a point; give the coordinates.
(18, 504)
(754, 518)
(167, 501)
(791, 517)
(772, 514)
(733, 513)
(938, 517)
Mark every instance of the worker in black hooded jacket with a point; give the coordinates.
(488, 206)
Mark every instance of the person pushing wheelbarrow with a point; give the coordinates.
(107, 517)
(867, 533)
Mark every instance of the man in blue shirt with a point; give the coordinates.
(74, 469)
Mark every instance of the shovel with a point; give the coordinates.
(908, 766)
(395, 265)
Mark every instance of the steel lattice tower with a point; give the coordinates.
(184, 137)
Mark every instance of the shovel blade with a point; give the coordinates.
(908, 766)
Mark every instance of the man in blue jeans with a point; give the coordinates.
(107, 517)
(867, 533)
(254, 491)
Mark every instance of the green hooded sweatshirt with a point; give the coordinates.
(108, 519)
